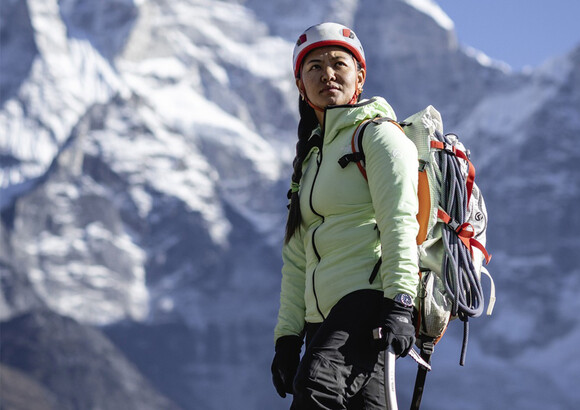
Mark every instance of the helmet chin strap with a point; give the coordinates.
(316, 107)
(354, 98)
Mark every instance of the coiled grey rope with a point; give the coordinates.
(462, 283)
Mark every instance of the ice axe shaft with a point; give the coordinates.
(390, 385)
(390, 358)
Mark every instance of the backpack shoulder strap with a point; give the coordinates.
(357, 155)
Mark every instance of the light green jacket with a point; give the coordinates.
(338, 244)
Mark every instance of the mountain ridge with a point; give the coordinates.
(145, 157)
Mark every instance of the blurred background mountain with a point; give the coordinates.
(145, 151)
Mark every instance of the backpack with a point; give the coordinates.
(452, 231)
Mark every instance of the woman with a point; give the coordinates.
(338, 227)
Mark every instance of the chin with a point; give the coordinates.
(333, 101)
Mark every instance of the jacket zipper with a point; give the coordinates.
(318, 163)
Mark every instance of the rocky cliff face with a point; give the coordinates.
(145, 152)
(52, 362)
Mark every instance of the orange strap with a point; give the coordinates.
(397, 124)
(424, 213)
(465, 232)
(354, 146)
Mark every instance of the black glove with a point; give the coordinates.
(397, 327)
(285, 363)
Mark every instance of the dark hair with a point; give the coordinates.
(308, 122)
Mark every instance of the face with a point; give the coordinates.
(330, 76)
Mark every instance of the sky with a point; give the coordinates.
(519, 32)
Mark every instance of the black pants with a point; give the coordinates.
(341, 367)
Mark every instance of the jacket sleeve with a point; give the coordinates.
(292, 305)
(392, 170)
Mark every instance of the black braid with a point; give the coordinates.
(308, 122)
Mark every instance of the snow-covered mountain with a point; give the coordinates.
(145, 151)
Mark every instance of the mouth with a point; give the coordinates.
(331, 89)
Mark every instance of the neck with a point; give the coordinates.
(319, 112)
(320, 116)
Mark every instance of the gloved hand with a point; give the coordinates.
(285, 363)
(397, 327)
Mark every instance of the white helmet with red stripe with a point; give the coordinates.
(327, 34)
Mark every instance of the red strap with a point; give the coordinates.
(470, 178)
(465, 232)
(475, 243)
(442, 215)
(460, 154)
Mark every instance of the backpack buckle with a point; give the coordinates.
(348, 158)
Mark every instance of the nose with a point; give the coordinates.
(328, 74)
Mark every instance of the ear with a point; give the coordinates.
(361, 77)
(300, 86)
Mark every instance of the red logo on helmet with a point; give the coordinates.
(347, 33)
(301, 40)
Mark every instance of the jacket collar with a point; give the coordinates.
(338, 117)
